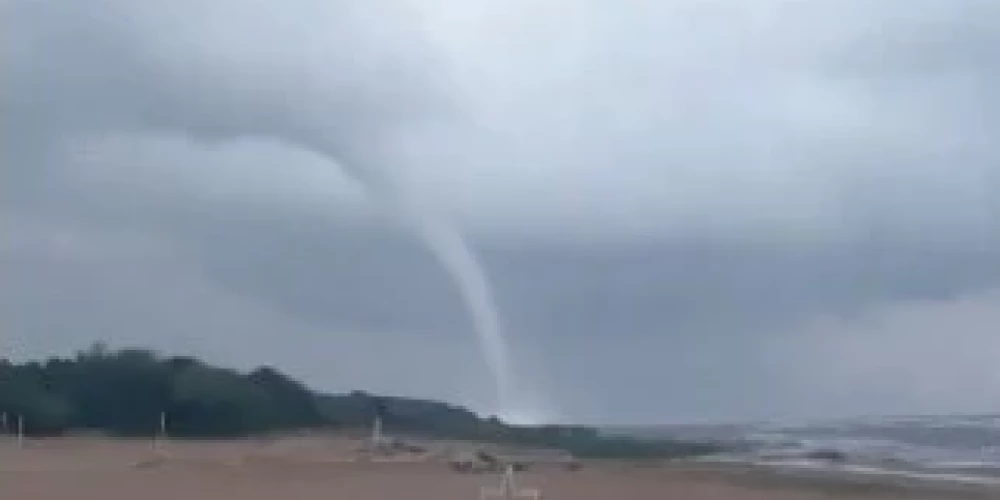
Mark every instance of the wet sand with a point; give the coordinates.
(329, 469)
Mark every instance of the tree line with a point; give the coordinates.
(124, 393)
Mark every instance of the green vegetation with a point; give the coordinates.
(124, 392)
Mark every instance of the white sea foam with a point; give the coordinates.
(955, 449)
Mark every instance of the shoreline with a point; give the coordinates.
(849, 483)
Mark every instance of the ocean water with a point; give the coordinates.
(956, 448)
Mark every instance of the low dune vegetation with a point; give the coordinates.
(125, 392)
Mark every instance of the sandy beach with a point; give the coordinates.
(329, 468)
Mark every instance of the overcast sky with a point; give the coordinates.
(689, 210)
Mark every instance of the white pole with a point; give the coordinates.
(161, 432)
(508, 487)
(20, 431)
(377, 432)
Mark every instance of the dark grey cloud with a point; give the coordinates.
(735, 202)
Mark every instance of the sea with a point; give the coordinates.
(941, 448)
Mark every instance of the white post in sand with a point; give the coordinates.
(161, 433)
(20, 431)
(376, 443)
(508, 489)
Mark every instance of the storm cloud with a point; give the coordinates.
(689, 210)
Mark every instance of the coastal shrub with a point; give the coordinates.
(125, 392)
